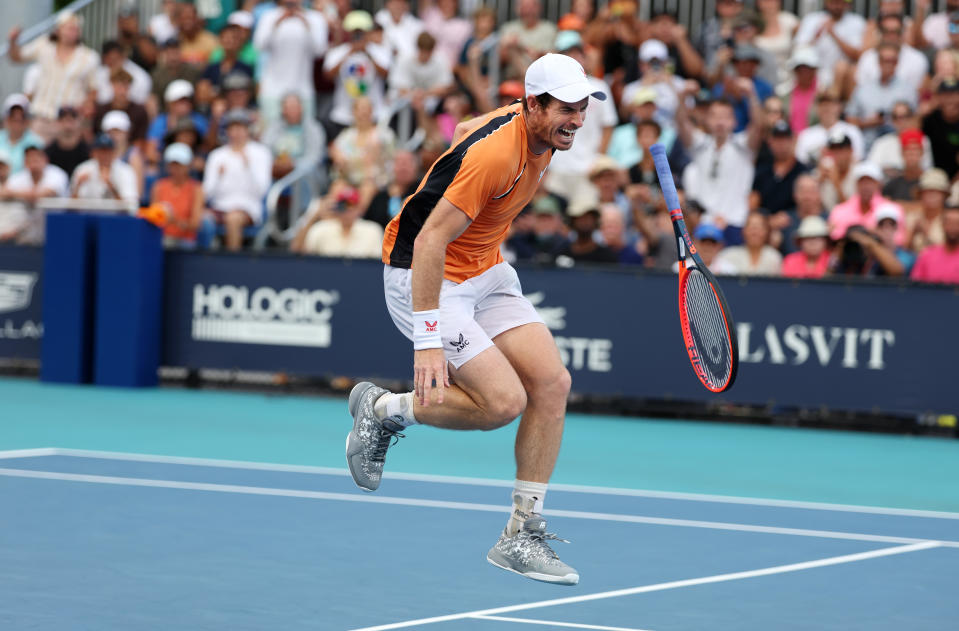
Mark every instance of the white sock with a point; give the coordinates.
(527, 500)
(398, 407)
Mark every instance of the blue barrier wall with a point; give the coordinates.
(21, 302)
(807, 344)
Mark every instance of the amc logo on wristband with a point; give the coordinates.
(431, 326)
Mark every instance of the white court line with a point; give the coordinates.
(718, 578)
(442, 479)
(490, 508)
(553, 623)
(28, 453)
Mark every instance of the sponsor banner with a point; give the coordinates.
(21, 323)
(808, 344)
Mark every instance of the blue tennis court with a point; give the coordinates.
(202, 534)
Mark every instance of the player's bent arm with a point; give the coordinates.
(466, 127)
(444, 224)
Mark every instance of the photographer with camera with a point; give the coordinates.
(865, 253)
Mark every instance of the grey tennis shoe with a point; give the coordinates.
(366, 445)
(528, 554)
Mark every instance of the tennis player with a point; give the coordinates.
(482, 355)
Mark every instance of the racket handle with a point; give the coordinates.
(666, 184)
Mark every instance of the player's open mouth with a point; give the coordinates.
(566, 133)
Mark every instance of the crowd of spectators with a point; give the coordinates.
(803, 145)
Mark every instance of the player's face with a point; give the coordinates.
(555, 125)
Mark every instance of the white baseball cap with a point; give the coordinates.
(889, 211)
(561, 77)
(179, 153)
(16, 100)
(867, 169)
(115, 119)
(243, 19)
(653, 49)
(178, 89)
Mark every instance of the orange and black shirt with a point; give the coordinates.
(490, 175)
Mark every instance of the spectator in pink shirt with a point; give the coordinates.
(940, 263)
(812, 259)
(860, 209)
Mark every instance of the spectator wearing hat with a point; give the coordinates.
(799, 92)
(236, 93)
(568, 170)
(472, 67)
(114, 58)
(181, 196)
(66, 70)
(116, 125)
(874, 98)
(583, 213)
(629, 250)
(746, 28)
(179, 106)
(910, 66)
(745, 63)
(755, 257)
(242, 22)
(525, 39)
(720, 176)
(811, 141)
(861, 208)
(717, 32)
(424, 77)
(608, 182)
(16, 136)
(236, 179)
(655, 74)
(68, 148)
(836, 33)
(338, 229)
(665, 27)
(358, 68)
(120, 81)
(709, 241)
(103, 176)
(196, 43)
(903, 187)
(509, 91)
(776, 36)
(775, 180)
(924, 224)
(812, 258)
(227, 61)
(37, 179)
(170, 67)
(624, 145)
(643, 190)
(837, 182)
(441, 20)
(941, 125)
(290, 37)
(807, 202)
(888, 220)
(886, 151)
(940, 263)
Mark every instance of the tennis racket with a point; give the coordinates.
(708, 329)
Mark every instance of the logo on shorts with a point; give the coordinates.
(430, 326)
(460, 344)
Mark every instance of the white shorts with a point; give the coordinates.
(472, 313)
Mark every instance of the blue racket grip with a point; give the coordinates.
(666, 184)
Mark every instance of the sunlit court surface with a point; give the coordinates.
(177, 509)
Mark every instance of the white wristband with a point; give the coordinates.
(426, 330)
